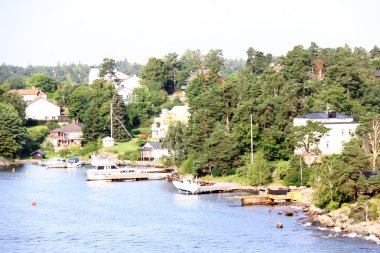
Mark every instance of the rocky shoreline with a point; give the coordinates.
(339, 222)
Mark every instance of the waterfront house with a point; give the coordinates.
(42, 109)
(153, 151)
(38, 154)
(29, 95)
(161, 124)
(67, 136)
(341, 130)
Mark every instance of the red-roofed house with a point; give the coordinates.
(67, 136)
(29, 94)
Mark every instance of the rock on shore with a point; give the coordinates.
(340, 220)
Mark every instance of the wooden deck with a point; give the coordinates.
(220, 187)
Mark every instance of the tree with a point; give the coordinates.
(107, 68)
(370, 136)
(120, 122)
(176, 141)
(154, 74)
(44, 82)
(259, 172)
(214, 62)
(307, 137)
(12, 133)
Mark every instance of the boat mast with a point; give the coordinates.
(111, 120)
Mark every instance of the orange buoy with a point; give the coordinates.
(34, 203)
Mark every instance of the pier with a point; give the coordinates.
(136, 176)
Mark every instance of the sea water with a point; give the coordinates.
(75, 215)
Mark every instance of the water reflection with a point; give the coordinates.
(186, 200)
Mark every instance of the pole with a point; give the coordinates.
(251, 141)
(111, 120)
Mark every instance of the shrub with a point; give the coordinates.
(90, 148)
(332, 206)
(216, 172)
(64, 152)
(130, 155)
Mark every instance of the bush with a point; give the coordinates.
(64, 152)
(130, 156)
(332, 206)
(166, 161)
(90, 148)
(187, 166)
(216, 172)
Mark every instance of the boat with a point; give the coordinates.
(187, 186)
(104, 169)
(73, 162)
(55, 163)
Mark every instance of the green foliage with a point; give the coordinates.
(131, 155)
(175, 139)
(107, 68)
(90, 148)
(13, 135)
(332, 206)
(44, 82)
(64, 152)
(188, 166)
(258, 173)
(292, 174)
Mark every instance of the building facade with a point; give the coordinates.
(42, 109)
(67, 136)
(161, 124)
(341, 130)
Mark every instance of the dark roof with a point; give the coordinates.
(39, 151)
(377, 73)
(70, 128)
(154, 145)
(322, 115)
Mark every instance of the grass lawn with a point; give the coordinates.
(36, 129)
(232, 178)
(122, 147)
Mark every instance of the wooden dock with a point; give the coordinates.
(220, 187)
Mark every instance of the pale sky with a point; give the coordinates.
(44, 32)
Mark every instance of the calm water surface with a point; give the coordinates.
(73, 215)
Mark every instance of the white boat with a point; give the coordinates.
(73, 162)
(187, 186)
(55, 163)
(104, 169)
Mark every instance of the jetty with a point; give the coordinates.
(137, 176)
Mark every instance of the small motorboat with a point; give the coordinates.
(73, 162)
(187, 186)
(55, 163)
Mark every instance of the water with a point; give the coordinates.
(73, 215)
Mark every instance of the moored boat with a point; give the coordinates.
(55, 163)
(104, 169)
(187, 186)
(73, 162)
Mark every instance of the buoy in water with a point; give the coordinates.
(34, 203)
(13, 170)
(279, 225)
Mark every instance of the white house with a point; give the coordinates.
(126, 87)
(118, 78)
(341, 130)
(153, 150)
(28, 95)
(161, 124)
(67, 136)
(42, 109)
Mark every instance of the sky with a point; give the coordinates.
(45, 32)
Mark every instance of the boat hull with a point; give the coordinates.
(187, 186)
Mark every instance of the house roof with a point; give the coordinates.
(150, 145)
(322, 115)
(24, 92)
(376, 73)
(70, 128)
(39, 151)
(38, 98)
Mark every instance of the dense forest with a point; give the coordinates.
(217, 140)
